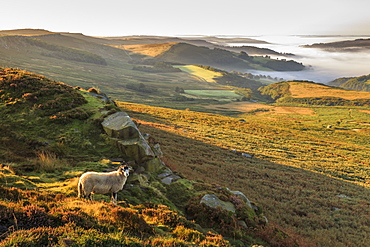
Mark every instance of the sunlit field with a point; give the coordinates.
(202, 74)
(309, 178)
(300, 90)
(147, 49)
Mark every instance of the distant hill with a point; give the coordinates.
(184, 53)
(346, 46)
(305, 92)
(25, 32)
(134, 69)
(361, 83)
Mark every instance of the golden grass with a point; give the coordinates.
(307, 178)
(200, 73)
(49, 162)
(302, 90)
(250, 106)
(151, 50)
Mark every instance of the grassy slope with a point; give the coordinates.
(43, 150)
(300, 90)
(51, 134)
(304, 91)
(309, 179)
(360, 83)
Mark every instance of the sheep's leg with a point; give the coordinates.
(89, 196)
(114, 198)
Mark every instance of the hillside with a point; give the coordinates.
(356, 45)
(210, 42)
(360, 83)
(308, 178)
(304, 92)
(222, 59)
(86, 61)
(51, 133)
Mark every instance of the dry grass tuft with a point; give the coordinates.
(49, 162)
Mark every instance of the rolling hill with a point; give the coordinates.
(126, 75)
(221, 58)
(356, 45)
(360, 83)
(304, 92)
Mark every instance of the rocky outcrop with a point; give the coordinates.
(211, 200)
(124, 133)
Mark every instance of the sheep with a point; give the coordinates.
(103, 183)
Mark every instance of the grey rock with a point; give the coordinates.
(124, 132)
(170, 179)
(243, 197)
(213, 201)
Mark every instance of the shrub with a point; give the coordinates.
(188, 235)
(167, 242)
(65, 117)
(164, 216)
(129, 220)
(217, 218)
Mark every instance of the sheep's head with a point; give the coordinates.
(125, 170)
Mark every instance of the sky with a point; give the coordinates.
(189, 17)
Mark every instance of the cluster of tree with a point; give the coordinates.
(243, 55)
(179, 90)
(284, 65)
(157, 67)
(57, 51)
(210, 68)
(276, 90)
(141, 87)
(258, 77)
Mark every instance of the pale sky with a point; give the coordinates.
(189, 17)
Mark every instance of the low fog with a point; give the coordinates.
(321, 66)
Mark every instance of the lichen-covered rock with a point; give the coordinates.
(120, 125)
(153, 165)
(243, 197)
(136, 148)
(124, 132)
(213, 201)
(170, 179)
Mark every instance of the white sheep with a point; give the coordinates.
(103, 183)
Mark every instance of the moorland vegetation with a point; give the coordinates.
(52, 133)
(301, 155)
